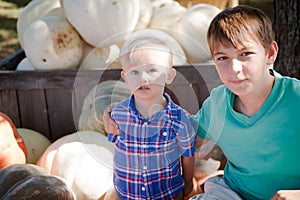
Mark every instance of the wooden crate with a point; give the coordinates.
(50, 101)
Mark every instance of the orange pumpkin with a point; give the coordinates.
(12, 146)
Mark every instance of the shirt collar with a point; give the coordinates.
(171, 108)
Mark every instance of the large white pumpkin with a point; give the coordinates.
(98, 20)
(99, 58)
(52, 43)
(97, 100)
(35, 142)
(179, 57)
(167, 17)
(191, 31)
(158, 4)
(34, 10)
(145, 14)
(84, 159)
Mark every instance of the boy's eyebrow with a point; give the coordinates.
(242, 49)
(217, 53)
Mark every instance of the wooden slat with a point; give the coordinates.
(9, 105)
(33, 111)
(60, 112)
(66, 78)
(36, 79)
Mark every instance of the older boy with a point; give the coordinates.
(260, 136)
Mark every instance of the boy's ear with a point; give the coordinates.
(171, 76)
(272, 53)
(123, 75)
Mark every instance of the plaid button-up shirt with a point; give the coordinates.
(147, 151)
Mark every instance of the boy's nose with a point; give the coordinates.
(237, 65)
(144, 77)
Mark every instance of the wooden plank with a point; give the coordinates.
(33, 111)
(9, 105)
(37, 79)
(60, 112)
(50, 79)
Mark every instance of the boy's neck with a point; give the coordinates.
(147, 108)
(251, 104)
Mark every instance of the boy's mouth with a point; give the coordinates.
(144, 87)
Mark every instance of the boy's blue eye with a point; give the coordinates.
(221, 58)
(245, 53)
(152, 70)
(134, 72)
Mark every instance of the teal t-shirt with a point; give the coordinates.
(263, 150)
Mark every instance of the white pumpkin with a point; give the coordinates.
(158, 4)
(59, 12)
(179, 57)
(25, 65)
(34, 10)
(99, 58)
(97, 100)
(52, 43)
(35, 142)
(167, 17)
(145, 14)
(98, 20)
(191, 31)
(84, 159)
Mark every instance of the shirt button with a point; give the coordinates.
(144, 175)
(145, 123)
(145, 167)
(143, 188)
(144, 146)
(165, 133)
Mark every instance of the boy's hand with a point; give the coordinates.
(109, 124)
(286, 195)
(188, 191)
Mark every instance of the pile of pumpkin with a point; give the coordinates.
(66, 34)
(76, 166)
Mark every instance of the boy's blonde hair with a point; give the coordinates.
(144, 43)
(235, 25)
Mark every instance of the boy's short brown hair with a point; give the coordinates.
(235, 25)
(144, 43)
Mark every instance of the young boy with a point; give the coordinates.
(260, 135)
(154, 132)
(253, 117)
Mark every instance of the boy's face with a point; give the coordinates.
(244, 71)
(147, 72)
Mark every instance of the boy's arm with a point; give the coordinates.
(286, 194)
(188, 164)
(109, 124)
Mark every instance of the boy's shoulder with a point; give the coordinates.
(122, 105)
(288, 84)
(178, 113)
